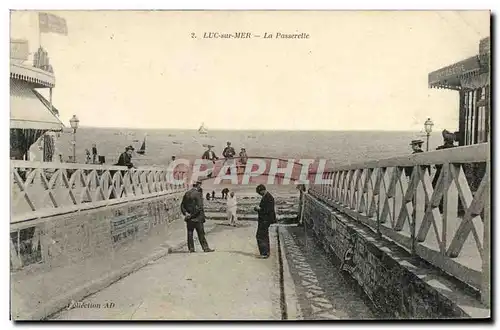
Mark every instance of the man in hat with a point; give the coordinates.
(209, 154)
(194, 216)
(416, 146)
(228, 154)
(126, 158)
(267, 216)
(448, 140)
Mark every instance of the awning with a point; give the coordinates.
(450, 76)
(27, 111)
(476, 81)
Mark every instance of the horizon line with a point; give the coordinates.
(254, 129)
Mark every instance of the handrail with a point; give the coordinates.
(76, 166)
(438, 215)
(41, 188)
(466, 154)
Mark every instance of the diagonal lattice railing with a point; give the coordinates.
(42, 189)
(434, 204)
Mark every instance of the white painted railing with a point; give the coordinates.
(444, 220)
(42, 189)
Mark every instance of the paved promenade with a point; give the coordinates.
(37, 294)
(228, 284)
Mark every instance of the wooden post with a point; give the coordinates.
(487, 112)
(461, 119)
(302, 202)
(486, 284)
(380, 173)
(477, 96)
(416, 173)
(50, 99)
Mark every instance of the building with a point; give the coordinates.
(471, 78)
(32, 116)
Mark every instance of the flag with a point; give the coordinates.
(51, 23)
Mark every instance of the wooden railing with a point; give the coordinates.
(434, 204)
(42, 189)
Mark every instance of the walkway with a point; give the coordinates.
(228, 284)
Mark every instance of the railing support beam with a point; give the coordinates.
(486, 269)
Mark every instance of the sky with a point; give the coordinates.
(357, 70)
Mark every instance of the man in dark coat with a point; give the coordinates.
(228, 154)
(94, 154)
(126, 158)
(194, 215)
(228, 151)
(267, 216)
(448, 142)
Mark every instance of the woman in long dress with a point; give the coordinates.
(232, 206)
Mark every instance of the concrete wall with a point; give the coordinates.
(401, 286)
(67, 239)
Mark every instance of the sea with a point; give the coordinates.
(337, 147)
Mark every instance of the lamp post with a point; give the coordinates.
(428, 129)
(74, 125)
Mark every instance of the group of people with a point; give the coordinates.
(194, 216)
(228, 154)
(224, 194)
(94, 158)
(449, 139)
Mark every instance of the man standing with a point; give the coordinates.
(228, 154)
(210, 155)
(194, 215)
(94, 154)
(267, 216)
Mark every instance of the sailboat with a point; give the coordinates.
(202, 130)
(142, 151)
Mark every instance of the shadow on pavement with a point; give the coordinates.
(246, 254)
